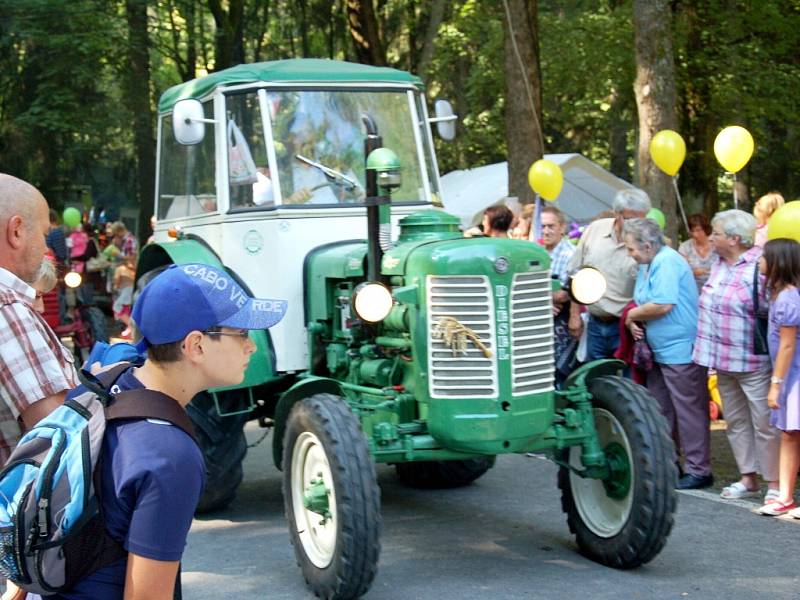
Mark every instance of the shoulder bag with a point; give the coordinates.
(760, 345)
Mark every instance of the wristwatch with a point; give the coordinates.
(777, 380)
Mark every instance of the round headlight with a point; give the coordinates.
(72, 279)
(587, 286)
(372, 302)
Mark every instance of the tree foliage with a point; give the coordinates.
(66, 122)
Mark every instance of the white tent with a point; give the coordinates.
(588, 189)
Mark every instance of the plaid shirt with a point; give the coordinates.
(559, 259)
(726, 323)
(129, 245)
(33, 362)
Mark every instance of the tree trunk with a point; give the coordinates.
(364, 32)
(699, 173)
(140, 105)
(429, 41)
(304, 25)
(618, 135)
(523, 102)
(655, 99)
(229, 37)
(191, 42)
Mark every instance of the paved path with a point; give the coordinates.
(504, 537)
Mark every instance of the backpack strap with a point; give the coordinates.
(102, 382)
(149, 404)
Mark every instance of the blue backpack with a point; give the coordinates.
(52, 532)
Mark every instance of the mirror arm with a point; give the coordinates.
(442, 119)
(190, 120)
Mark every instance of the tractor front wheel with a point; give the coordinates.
(331, 498)
(623, 521)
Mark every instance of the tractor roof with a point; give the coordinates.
(301, 70)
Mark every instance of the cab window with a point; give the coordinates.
(186, 183)
(249, 181)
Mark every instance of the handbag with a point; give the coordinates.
(96, 264)
(643, 355)
(95, 260)
(241, 167)
(760, 345)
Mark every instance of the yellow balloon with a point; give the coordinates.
(668, 151)
(785, 222)
(546, 179)
(733, 148)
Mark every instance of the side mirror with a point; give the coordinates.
(189, 122)
(445, 120)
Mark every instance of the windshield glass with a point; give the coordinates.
(319, 143)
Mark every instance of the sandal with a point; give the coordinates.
(738, 490)
(795, 513)
(776, 508)
(772, 495)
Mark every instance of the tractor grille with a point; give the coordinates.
(468, 373)
(531, 333)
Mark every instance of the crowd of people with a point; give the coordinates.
(727, 301)
(105, 256)
(725, 304)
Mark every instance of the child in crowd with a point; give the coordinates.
(781, 265)
(79, 241)
(112, 254)
(762, 211)
(124, 276)
(152, 473)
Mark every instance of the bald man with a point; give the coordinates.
(36, 370)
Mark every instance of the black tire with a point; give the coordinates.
(224, 447)
(337, 554)
(146, 278)
(442, 474)
(630, 529)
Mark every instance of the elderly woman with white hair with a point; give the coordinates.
(725, 342)
(601, 246)
(666, 314)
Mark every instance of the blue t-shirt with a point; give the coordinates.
(668, 279)
(57, 242)
(152, 475)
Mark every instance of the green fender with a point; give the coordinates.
(304, 388)
(581, 376)
(194, 250)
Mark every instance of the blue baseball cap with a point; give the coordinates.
(196, 297)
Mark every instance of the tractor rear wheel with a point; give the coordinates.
(331, 498)
(442, 474)
(224, 446)
(624, 520)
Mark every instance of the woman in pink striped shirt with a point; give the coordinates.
(725, 342)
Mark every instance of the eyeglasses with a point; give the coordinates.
(243, 335)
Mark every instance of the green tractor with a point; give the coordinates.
(404, 343)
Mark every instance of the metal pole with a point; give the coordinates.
(372, 142)
(735, 195)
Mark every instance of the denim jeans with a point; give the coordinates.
(602, 339)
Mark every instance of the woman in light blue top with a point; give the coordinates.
(666, 315)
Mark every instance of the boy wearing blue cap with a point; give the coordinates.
(194, 320)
